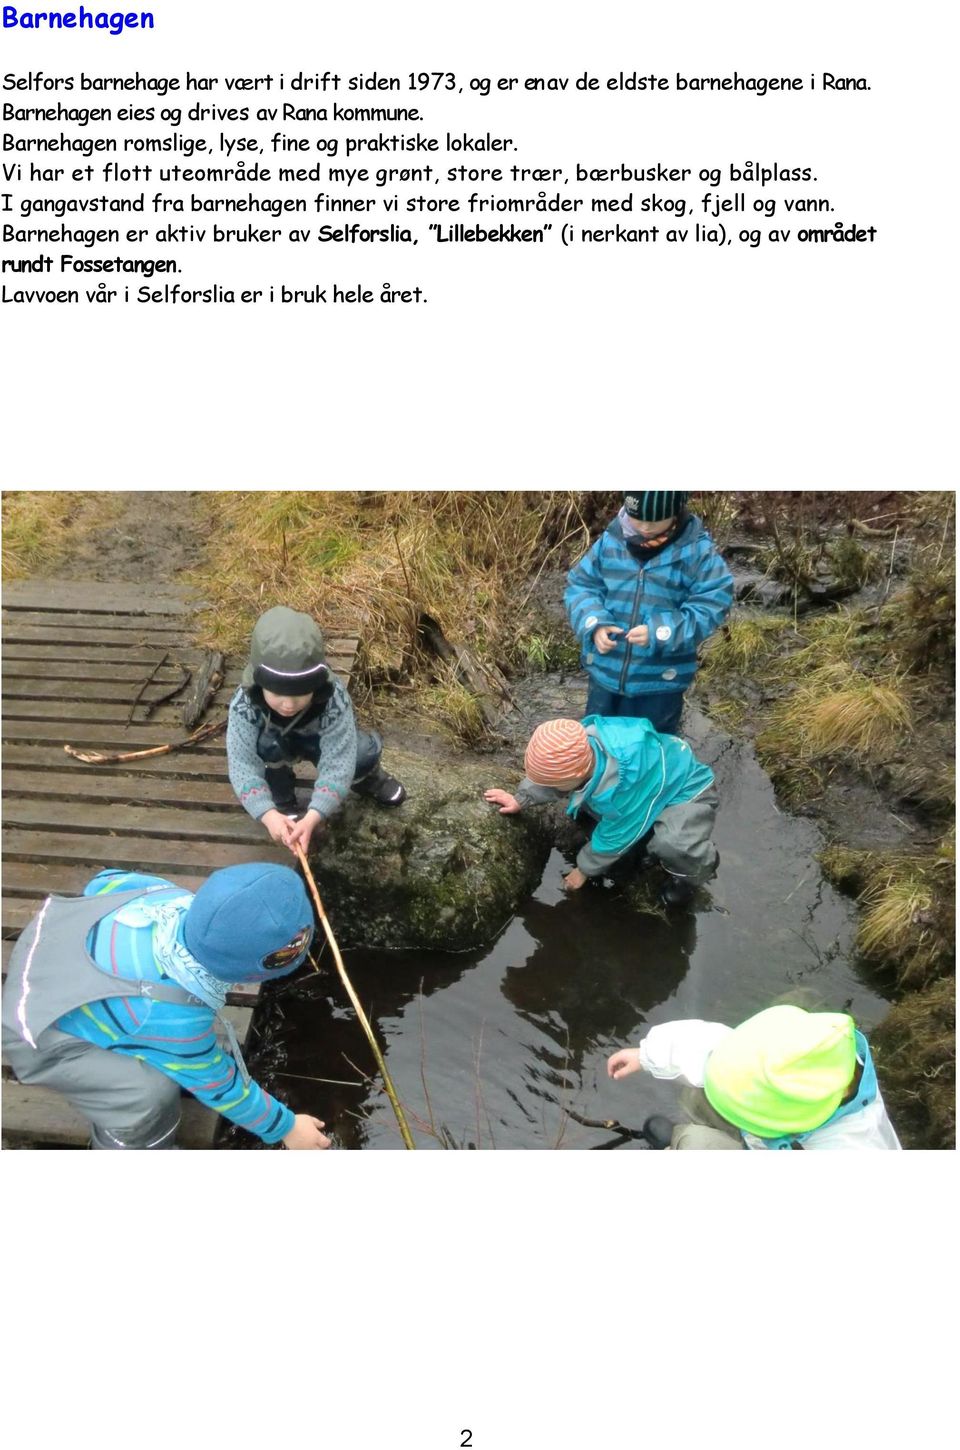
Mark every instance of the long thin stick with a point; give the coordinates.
(387, 1082)
(96, 757)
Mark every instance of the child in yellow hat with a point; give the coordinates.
(785, 1078)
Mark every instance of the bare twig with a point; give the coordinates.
(387, 1080)
(886, 591)
(610, 1124)
(337, 1081)
(136, 699)
(946, 525)
(151, 705)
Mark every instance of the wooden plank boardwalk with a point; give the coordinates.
(75, 657)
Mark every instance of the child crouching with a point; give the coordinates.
(632, 780)
(785, 1078)
(291, 707)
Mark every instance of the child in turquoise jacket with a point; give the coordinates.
(632, 780)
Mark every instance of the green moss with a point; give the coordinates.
(445, 871)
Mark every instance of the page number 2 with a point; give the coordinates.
(466, 1440)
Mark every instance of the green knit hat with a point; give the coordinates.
(783, 1071)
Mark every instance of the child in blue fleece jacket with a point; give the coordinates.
(121, 1026)
(648, 593)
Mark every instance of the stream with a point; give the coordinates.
(496, 1048)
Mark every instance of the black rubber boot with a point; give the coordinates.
(658, 1131)
(677, 891)
(385, 789)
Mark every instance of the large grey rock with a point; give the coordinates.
(442, 871)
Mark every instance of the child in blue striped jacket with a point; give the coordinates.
(651, 589)
(113, 999)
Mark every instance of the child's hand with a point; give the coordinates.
(640, 634)
(604, 637)
(574, 880)
(278, 826)
(306, 1133)
(623, 1063)
(509, 805)
(303, 830)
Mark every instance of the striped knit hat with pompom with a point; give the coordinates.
(558, 752)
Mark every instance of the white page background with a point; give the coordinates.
(554, 1299)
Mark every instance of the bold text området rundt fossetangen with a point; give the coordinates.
(114, 23)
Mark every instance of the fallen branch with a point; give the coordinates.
(328, 931)
(136, 699)
(479, 680)
(869, 532)
(610, 1124)
(96, 757)
(209, 680)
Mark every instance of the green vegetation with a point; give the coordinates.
(745, 641)
(548, 651)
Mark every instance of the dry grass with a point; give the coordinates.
(839, 713)
(743, 643)
(454, 707)
(719, 511)
(838, 637)
(907, 920)
(896, 920)
(916, 1063)
(371, 562)
(36, 532)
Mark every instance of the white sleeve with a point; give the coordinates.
(681, 1049)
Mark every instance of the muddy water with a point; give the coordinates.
(496, 1048)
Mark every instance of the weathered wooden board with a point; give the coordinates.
(144, 853)
(53, 671)
(103, 737)
(66, 623)
(143, 634)
(119, 598)
(340, 655)
(187, 763)
(155, 821)
(62, 878)
(66, 692)
(105, 711)
(84, 785)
